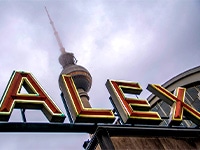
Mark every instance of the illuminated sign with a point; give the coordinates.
(78, 111)
(130, 110)
(179, 107)
(35, 98)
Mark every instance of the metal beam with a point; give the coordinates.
(152, 131)
(113, 130)
(46, 127)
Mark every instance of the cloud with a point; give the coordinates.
(139, 41)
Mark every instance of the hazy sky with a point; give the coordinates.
(145, 41)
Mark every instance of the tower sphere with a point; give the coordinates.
(80, 75)
(66, 59)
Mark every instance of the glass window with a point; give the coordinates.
(192, 98)
(192, 93)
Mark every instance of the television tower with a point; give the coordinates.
(80, 75)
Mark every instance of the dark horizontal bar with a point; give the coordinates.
(47, 127)
(152, 131)
(113, 130)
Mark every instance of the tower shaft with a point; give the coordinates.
(81, 76)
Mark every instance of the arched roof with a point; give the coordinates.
(186, 79)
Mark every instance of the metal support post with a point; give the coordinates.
(23, 115)
(101, 137)
(66, 108)
(104, 140)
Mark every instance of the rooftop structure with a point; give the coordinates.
(189, 80)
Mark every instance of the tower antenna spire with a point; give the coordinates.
(62, 49)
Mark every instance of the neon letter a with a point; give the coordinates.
(35, 98)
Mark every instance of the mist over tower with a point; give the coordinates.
(80, 75)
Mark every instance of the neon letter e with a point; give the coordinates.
(131, 110)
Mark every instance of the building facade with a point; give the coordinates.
(165, 135)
